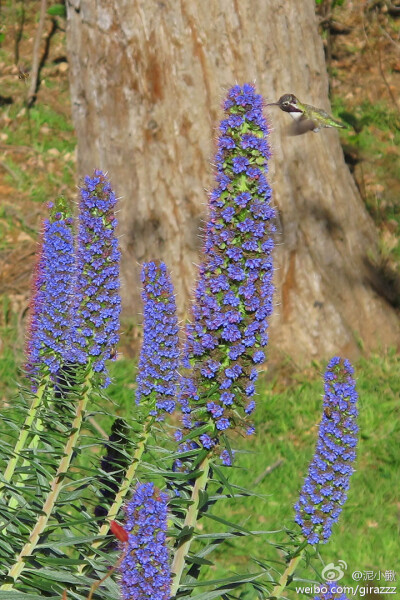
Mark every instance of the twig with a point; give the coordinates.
(18, 29)
(268, 470)
(14, 148)
(95, 424)
(45, 55)
(10, 171)
(96, 584)
(392, 97)
(35, 55)
(385, 33)
(110, 572)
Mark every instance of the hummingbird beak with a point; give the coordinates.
(273, 104)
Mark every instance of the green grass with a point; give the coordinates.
(57, 132)
(11, 354)
(46, 168)
(373, 130)
(366, 536)
(374, 135)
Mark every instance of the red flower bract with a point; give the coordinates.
(119, 531)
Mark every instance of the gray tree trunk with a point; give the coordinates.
(147, 82)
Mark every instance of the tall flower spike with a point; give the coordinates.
(159, 358)
(233, 298)
(145, 569)
(49, 341)
(98, 303)
(324, 490)
(329, 591)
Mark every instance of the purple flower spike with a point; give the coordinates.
(97, 299)
(331, 590)
(145, 569)
(325, 488)
(159, 358)
(233, 299)
(49, 340)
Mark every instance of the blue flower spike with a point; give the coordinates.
(145, 569)
(325, 488)
(49, 344)
(234, 295)
(331, 590)
(98, 302)
(159, 358)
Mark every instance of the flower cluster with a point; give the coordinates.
(324, 490)
(49, 340)
(145, 568)
(159, 358)
(233, 298)
(97, 300)
(329, 591)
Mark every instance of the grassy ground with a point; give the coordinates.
(38, 162)
(366, 536)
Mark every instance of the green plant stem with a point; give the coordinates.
(126, 484)
(55, 487)
(24, 433)
(178, 563)
(291, 567)
(13, 502)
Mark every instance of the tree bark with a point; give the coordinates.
(147, 82)
(34, 82)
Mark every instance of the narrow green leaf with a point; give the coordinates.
(234, 526)
(223, 480)
(203, 499)
(63, 576)
(197, 560)
(210, 595)
(18, 596)
(228, 534)
(186, 532)
(74, 541)
(226, 581)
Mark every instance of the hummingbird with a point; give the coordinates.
(307, 117)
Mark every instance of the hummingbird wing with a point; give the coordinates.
(301, 125)
(310, 120)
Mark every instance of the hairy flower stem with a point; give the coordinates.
(178, 563)
(125, 487)
(55, 486)
(24, 433)
(290, 569)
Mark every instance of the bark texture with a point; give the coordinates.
(147, 81)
